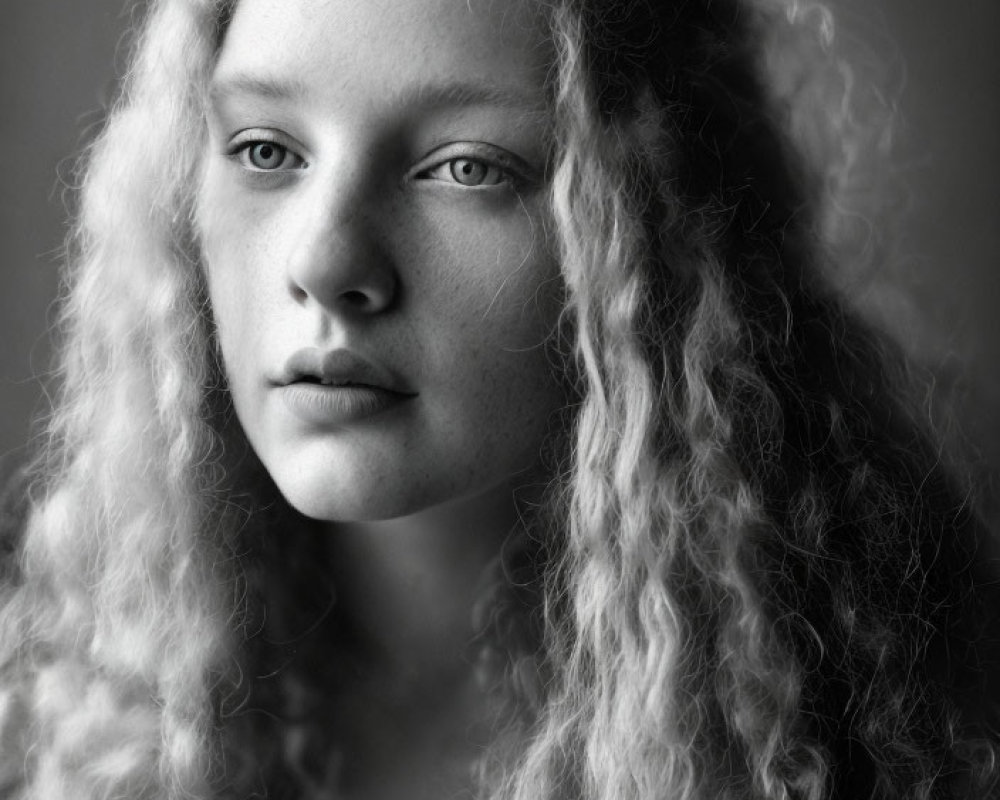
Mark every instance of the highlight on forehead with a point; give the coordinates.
(265, 78)
(427, 94)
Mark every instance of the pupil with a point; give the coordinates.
(265, 156)
(468, 172)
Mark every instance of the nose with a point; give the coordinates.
(335, 258)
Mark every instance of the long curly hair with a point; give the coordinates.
(752, 576)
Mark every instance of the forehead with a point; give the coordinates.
(382, 46)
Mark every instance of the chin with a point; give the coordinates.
(332, 501)
(343, 484)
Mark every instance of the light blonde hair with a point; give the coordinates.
(710, 630)
(120, 619)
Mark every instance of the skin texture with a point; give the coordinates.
(362, 239)
(356, 232)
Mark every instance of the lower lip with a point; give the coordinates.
(318, 404)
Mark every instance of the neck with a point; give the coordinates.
(406, 588)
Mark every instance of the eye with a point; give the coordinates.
(267, 156)
(468, 172)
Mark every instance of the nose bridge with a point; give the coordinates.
(323, 217)
(333, 258)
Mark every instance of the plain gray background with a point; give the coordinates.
(938, 57)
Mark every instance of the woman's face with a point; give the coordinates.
(372, 223)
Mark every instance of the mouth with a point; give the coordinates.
(338, 388)
(338, 369)
(317, 380)
(338, 405)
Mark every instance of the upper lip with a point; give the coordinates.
(337, 368)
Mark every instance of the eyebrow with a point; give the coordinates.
(451, 93)
(259, 86)
(460, 93)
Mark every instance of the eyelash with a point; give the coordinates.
(451, 170)
(461, 167)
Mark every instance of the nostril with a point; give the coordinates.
(355, 298)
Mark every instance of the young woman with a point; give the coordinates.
(454, 404)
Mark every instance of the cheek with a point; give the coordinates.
(231, 261)
(497, 319)
(228, 302)
(496, 283)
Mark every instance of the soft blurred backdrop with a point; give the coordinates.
(59, 59)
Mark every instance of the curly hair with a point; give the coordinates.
(752, 577)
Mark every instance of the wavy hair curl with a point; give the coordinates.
(751, 565)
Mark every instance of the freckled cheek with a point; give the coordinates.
(235, 296)
(507, 411)
(508, 348)
(522, 308)
(493, 303)
(495, 287)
